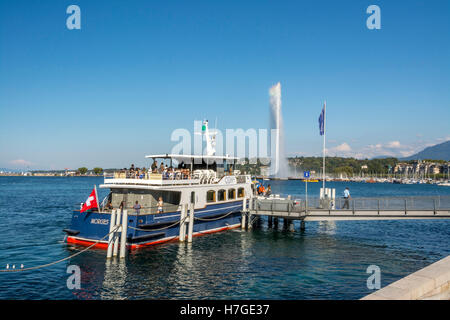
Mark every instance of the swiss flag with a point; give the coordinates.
(91, 201)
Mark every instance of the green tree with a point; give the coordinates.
(98, 170)
(82, 170)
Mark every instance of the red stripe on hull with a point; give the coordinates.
(136, 246)
(87, 243)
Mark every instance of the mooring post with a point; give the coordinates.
(116, 234)
(123, 235)
(244, 215)
(191, 222)
(183, 218)
(112, 224)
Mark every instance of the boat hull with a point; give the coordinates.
(146, 230)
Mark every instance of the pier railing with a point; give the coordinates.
(382, 203)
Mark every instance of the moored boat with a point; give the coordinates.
(154, 198)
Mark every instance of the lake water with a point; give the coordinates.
(326, 261)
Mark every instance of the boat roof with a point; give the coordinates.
(190, 156)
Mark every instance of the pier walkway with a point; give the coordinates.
(389, 208)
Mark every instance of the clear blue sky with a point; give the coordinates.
(113, 91)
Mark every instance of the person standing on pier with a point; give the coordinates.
(346, 198)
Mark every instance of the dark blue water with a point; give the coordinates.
(326, 261)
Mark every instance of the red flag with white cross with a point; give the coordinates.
(91, 201)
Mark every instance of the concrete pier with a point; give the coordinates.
(429, 283)
(394, 208)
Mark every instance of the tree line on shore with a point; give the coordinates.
(84, 170)
(336, 165)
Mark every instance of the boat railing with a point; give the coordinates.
(144, 210)
(177, 177)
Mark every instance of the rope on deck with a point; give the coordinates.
(61, 260)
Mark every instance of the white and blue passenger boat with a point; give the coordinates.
(210, 182)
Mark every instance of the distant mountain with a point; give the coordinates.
(437, 152)
(382, 157)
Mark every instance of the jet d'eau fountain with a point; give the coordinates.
(279, 164)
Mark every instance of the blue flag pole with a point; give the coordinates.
(324, 126)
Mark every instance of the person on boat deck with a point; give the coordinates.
(161, 168)
(268, 191)
(122, 206)
(109, 205)
(346, 198)
(165, 173)
(154, 166)
(261, 189)
(160, 205)
(137, 208)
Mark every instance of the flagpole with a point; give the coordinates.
(96, 197)
(324, 132)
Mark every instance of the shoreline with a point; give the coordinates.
(51, 175)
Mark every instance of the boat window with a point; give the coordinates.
(148, 199)
(231, 194)
(221, 195)
(241, 193)
(211, 196)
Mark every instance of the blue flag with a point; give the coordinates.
(322, 122)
